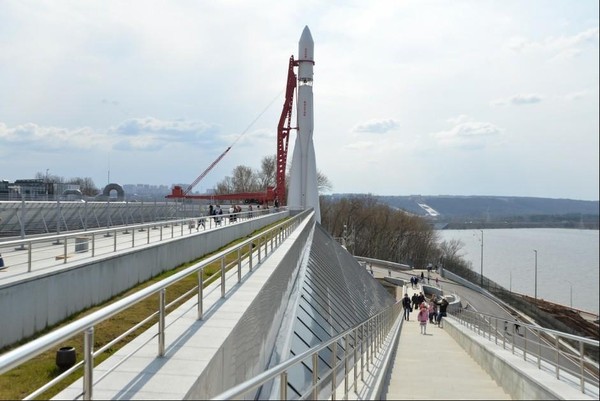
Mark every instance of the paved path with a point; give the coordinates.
(434, 366)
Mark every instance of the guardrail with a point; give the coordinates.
(562, 354)
(356, 346)
(257, 247)
(54, 250)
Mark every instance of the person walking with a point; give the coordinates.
(422, 317)
(406, 306)
(415, 300)
(443, 303)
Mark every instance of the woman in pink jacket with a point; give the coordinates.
(422, 317)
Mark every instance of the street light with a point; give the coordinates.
(481, 258)
(535, 288)
(570, 293)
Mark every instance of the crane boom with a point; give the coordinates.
(201, 176)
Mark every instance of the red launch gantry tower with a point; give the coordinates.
(283, 135)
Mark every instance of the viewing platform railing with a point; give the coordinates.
(568, 357)
(55, 250)
(249, 253)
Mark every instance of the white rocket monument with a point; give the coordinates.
(303, 191)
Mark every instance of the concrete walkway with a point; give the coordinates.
(435, 367)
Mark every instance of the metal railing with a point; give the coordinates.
(352, 352)
(55, 250)
(250, 253)
(562, 354)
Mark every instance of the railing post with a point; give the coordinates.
(315, 375)
(283, 386)
(93, 244)
(200, 294)
(355, 361)
(250, 251)
(239, 263)
(557, 358)
(114, 241)
(148, 234)
(132, 238)
(581, 367)
(223, 277)
(333, 364)
(539, 356)
(161, 228)
(65, 250)
(88, 363)
(362, 352)
(29, 256)
(346, 367)
(161, 323)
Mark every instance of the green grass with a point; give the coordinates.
(26, 378)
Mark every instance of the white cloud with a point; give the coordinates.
(377, 126)
(561, 46)
(518, 100)
(467, 133)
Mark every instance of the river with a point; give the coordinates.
(567, 261)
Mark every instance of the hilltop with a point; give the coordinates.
(448, 211)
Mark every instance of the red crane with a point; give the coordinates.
(283, 134)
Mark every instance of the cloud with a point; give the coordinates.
(518, 100)
(577, 95)
(467, 133)
(561, 47)
(377, 126)
(145, 134)
(34, 137)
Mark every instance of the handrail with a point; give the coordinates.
(549, 349)
(376, 327)
(256, 244)
(33, 250)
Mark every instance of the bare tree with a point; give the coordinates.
(268, 168)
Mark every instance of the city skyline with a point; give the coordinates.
(459, 98)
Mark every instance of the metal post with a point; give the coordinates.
(283, 386)
(315, 375)
(239, 263)
(88, 363)
(161, 323)
(355, 362)
(223, 277)
(346, 367)
(29, 261)
(132, 238)
(535, 288)
(200, 294)
(65, 250)
(333, 365)
(481, 258)
(93, 244)
(250, 250)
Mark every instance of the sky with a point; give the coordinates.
(471, 97)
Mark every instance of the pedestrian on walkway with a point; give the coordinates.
(432, 311)
(443, 304)
(415, 301)
(406, 306)
(422, 318)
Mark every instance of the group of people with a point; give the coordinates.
(432, 311)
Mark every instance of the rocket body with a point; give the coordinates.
(303, 189)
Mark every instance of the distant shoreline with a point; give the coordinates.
(528, 224)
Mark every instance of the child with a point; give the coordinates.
(422, 317)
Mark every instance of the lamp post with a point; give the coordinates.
(481, 274)
(570, 293)
(535, 287)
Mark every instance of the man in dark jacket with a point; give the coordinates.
(406, 306)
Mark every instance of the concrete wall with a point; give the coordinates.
(246, 351)
(33, 304)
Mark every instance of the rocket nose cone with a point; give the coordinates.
(306, 38)
(306, 45)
